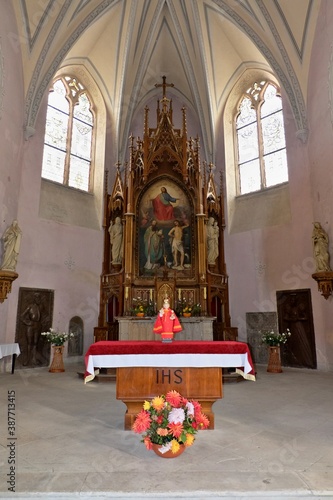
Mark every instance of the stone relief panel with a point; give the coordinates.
(256, 324)
(34, 316)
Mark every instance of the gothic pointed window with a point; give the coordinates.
(68, 135)
(261, 146)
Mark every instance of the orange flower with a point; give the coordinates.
(176, 429)
(189, 440)
(174, 398)
(162, 432)
(158, 403)
(142, 422)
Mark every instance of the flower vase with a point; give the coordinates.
(186, 315)
(168, 454)
(140, 315)
(57, 365)
(274, 359)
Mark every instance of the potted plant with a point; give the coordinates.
(274, 340)
(57, 339)
(169, 423)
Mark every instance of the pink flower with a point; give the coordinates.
(174, 398)
(142, 422)
(176, 429)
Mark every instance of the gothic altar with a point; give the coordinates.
(164, 237)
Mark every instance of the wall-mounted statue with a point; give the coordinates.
(11, 246)
(116, 240)
(320, 248)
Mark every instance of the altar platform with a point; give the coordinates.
(148, 369)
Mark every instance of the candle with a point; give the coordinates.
(151, 294)
(179, 293)
(126, 292)
(205, 292)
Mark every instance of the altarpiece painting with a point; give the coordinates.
(164, 228)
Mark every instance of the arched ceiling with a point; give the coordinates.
(201, 46)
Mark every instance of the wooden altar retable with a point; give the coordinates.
(148, 369)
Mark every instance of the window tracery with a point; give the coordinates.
(261, 146)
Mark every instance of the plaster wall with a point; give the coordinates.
(62, 256)
(320, 145)
(11, 139)
(280, 256)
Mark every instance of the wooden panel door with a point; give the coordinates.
(295, 312)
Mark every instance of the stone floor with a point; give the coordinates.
(273, 438)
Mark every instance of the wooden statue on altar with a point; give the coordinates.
(165, 201)
(167, 322)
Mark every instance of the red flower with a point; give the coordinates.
(197, 407)
(142, 422)
(148, 444)
(174, 398)
(175, 429)
(202, 420)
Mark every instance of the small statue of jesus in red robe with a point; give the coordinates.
(167, 323)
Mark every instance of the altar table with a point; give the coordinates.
(10, 350)
(148, 369)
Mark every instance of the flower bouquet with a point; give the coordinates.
(275, 339)
(57, 338)
(138, 307)
(169, 421)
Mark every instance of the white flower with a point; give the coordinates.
(190, 408)
(176, 416)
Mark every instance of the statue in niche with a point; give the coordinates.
(11, 246)
(116, 241)
(320, 248)
(212, 241)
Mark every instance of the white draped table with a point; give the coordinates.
(10, 350)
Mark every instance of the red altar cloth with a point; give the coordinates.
(119, 354)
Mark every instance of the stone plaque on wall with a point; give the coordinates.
(256, 324)
(34, 316)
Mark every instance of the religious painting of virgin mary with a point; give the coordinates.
(164, 221)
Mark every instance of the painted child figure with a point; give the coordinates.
(167, 323)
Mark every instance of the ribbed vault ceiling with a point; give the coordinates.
(201, 46)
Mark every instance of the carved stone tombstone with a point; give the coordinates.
(256, 324)
(34, 316)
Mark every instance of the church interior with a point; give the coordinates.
(167, 151)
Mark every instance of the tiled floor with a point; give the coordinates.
(273, 438)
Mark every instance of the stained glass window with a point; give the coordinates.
(68, 135)
(262, 159)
